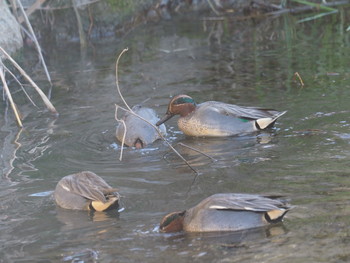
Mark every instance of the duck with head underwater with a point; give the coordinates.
(218, 119)
(227, 212)
(138, 132)
(86, 191)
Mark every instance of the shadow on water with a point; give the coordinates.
(248, 62)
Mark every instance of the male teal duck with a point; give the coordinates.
(85, 191)
(227, 212)
(138, 132)
(217, 119)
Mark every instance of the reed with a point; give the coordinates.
(9, 96)
(29, 79)
(32, 35)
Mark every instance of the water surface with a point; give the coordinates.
(252, 63)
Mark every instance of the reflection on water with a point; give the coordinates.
(73, 220)
(86, 255)
(232, 240)
(243, 62)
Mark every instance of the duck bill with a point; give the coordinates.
(166, 117)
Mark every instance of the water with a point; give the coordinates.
(305, 157)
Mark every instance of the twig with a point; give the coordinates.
(8, 93)
(213, 8)
(296, 74)
(117, 78)
(31, 9)
(124, 134)
(83, 42)
(20, 84)
(41, 93)
(35, 40)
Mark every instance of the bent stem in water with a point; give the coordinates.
(124, 134)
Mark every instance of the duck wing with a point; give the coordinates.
(246, 202)
(88, 185)
(249, 113)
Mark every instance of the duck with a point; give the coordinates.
(227, 212)
(139, 133)
(218, 119)
(85, 191)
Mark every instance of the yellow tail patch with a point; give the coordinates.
(275, 214)
(99, 206)
(264, 122)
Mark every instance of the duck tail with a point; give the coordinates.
(264, 123)
(111, 203)
(275, 216)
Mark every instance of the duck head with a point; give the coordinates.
(179, 105)
(172, 222)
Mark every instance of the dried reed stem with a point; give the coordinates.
(35, 40)
(117, 78)
(8, 93)
(20, 84)
(30, 10)
(24, 74)
(124, 134)
(82, 37)
(213, 8)
(297, 75)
